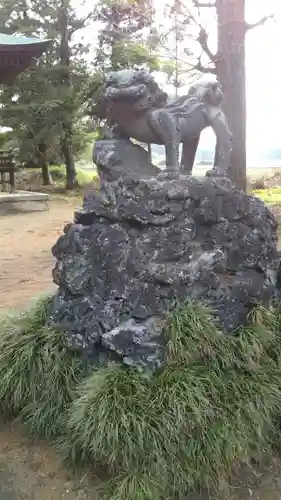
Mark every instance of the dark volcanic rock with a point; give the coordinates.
(116, 159)
(139, 244)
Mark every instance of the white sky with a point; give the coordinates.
(263, 58)
(263, 70)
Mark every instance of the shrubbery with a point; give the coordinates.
(212, 405)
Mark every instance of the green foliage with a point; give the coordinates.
(47, 104)
(3, 140)
(84, 177)
(38, 373)
(175, 35)
(125, 39)
(85, 154)
(270, 195)
(213, 404)
(44, 105)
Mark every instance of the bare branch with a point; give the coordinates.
(262, 21)
(203, 4)
(198, 66)
(203, 69)
(79, 24)
(203, 40)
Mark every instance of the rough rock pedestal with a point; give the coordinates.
(137, 245)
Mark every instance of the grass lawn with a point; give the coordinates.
(269, 195)
(83, 176)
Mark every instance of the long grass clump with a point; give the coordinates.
(213, 404)
(38, 374)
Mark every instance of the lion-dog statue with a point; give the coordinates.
(135, 107)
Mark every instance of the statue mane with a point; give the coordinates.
(151, 96)
(199, 94)
(137, 91)
(185, 105)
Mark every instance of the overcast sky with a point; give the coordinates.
(264, 76)
(263, 69)
(263, 63)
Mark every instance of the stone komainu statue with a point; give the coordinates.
(135, 107)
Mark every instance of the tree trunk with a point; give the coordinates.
(66, 148)
(67, 132)
(230, 69)
(46, 175)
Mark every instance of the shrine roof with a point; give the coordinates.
(18, 53)
(12, 40)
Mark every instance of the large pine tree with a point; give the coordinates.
(44, 103)
(127, 36)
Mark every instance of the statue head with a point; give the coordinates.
(126, 77)
(207, 91)
(134, 89)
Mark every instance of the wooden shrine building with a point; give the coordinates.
(18, 53)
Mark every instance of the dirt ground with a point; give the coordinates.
(25, 251)
(31, 471)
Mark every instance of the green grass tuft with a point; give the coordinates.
(269, 195)
(38, 375)
(214, 404)
(132, 486)
(106, 422)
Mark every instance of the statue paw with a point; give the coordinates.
(221, 177)
(168, 175)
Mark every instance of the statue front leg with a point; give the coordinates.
(223, 134)
(165, 130)
(171, 152)
(189, 148)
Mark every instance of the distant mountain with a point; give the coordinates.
(271, 154)
(203, 156)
